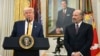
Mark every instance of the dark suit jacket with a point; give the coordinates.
(66, 20)
(78, 42)
(19, 30)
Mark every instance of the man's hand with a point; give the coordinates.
(77, 53)
(58, 30)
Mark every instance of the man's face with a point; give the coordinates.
(29, 14)
(63, 4)
(77, 17)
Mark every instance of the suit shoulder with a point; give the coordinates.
(37, 23)
(60, 11)
(69, 8)
(69, 26)
(88, 25)
(20, 21)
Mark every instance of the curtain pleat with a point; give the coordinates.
(6, 23)
(19, 5)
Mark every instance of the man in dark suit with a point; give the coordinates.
(78, 36)
(64, 17)
(20, 28)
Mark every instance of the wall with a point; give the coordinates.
(98, 18)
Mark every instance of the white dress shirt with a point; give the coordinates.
(26, 26)
(64, 11)
(79, 24)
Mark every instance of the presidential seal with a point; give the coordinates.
(26, 41)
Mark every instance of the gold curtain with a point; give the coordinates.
(19, 5)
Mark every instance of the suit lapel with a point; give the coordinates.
(68, 13)
(34, 28)
(23, 27)
(62, 14)
(73, 29)
(81, 27)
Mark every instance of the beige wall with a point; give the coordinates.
(98, 17)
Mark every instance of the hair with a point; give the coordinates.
(65, 1)
(28, 8)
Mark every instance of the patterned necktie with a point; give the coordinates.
(77, 28)
(29, 29)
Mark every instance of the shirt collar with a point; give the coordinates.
(64, 10)
(79, 24)
(30, 22)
